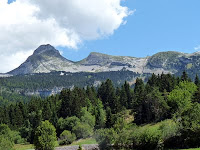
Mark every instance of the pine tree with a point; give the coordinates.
(184, 76)
(91, 93)
(19, 119)
(139, 96)
(6, 118)
(66, 102)
(197, 81)
(153, 80)
(23, 109)
(109, 117)
(46, 112)
(107, 94)
(129, 94)
(12, 115)
(123, 97)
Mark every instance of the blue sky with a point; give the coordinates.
(157, 25)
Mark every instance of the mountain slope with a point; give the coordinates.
(175, 62)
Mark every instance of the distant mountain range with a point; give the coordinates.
(46, 59)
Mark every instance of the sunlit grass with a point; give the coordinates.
(23, 147)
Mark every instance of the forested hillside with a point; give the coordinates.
(21, 88)
(162, 113)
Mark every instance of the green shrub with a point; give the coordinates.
(83, 130)
(169, 129)
(17, 138)
(147, 138)
(67, 123)
(5, 142)
(67, 137)
(123, 139)
(106, 137)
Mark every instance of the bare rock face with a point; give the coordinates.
(46, 59)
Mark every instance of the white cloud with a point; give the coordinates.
(26, 24)
(13, 60)
(197, 48)
(90, 19)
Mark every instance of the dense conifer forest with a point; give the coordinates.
(162, 113)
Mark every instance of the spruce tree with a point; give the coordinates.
(139, 95)
(184, 76)
(197, 81)
(19, 119)
(46, 112)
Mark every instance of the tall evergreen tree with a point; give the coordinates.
(123, 97)
(153, 80)
(46, 111)
(184, 76)
(139, 95)
(197, 81)
(106, 93)
(109, 118)
(129, 94)
(19, 119)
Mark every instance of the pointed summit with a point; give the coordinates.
(44, 48)
(44, 59)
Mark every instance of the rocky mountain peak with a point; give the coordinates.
(45, 49)
(44, 59)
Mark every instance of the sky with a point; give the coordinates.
(137, 28)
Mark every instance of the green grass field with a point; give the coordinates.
(23, 147)
(79, 142)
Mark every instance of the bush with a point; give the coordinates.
(5, 142)
(67, 137)
(169, 129)
(45, 136)
(189, 129)
(67, 123)
(123, 139)
(17, 138)
(146, 138)
(83, 130)
(106, 137)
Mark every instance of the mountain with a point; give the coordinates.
(46, 59)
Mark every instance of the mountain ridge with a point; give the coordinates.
(46, 59)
